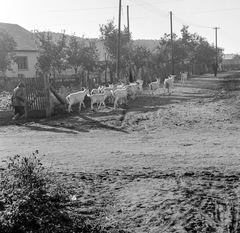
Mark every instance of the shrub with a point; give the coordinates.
(30, 201)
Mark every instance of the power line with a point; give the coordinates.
(157, 11)
(72, 10)
(180, 20)
(150, 7)
(210, 11)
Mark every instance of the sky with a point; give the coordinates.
(148, 19)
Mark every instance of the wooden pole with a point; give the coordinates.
(119, 41)
(26, 96)
(47, 96)
(105, 68)
(216, 28)
(216, 63)
(172, 54)
(128, 27)
(59, 98)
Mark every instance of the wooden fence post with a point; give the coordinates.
(25, 94)
(47, 96)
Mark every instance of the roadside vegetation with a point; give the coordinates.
(33, 199)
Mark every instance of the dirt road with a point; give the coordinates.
(139, 159)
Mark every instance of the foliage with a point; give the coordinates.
(140, 57)
(109, 36)
(7, 47)
(52, 54)
(81, 53)
(236, 57)
(31, 201)
(74, 53)
(188, 49)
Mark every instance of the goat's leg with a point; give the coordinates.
(69, 108)
(80, 103)
(83, 104)
(91, 104)
(115, 103)
(126, 101)
(99, 105)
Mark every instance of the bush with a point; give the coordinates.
(31, 201)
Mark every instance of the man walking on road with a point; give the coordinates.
(215, 68)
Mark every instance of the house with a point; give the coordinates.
(26, 51)
(231, 62)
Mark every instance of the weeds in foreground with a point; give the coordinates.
(30, 201)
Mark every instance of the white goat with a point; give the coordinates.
(76, 97)
(108, 91)
(98, 99)
(140, 84)
(184, 76)
(120, 86)
(95, 91)
(153, 86)
(120, 94)
(133, 90)
(168, 83)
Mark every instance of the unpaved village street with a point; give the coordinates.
(139, 163)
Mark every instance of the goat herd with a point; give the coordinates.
(119, 94)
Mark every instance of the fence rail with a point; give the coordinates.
(36, 97)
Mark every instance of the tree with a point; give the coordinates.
(89, 55)
(74, 58)
(7, 54)
(188, 49)
(236, 57)
(198, 48)
(109, 37)
(140, 57)
(205, 53)
(81, 52)
(52, 54)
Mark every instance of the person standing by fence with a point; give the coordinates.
(18, 101)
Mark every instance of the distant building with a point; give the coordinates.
(26, 51)
(230, 63)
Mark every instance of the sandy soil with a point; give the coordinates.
(162, 164)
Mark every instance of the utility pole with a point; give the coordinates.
(119, 40)
(128, 31)
(106, 68)
(216, 28)
(172, 60)
(128, 23)
(216, 63)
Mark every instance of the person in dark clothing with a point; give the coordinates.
(215, 68)
(131, 78)
(18, 101)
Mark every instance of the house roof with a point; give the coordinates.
(229, 56)
(22, 36)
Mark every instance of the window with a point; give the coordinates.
(22, 63)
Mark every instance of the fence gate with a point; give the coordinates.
(38, 97)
